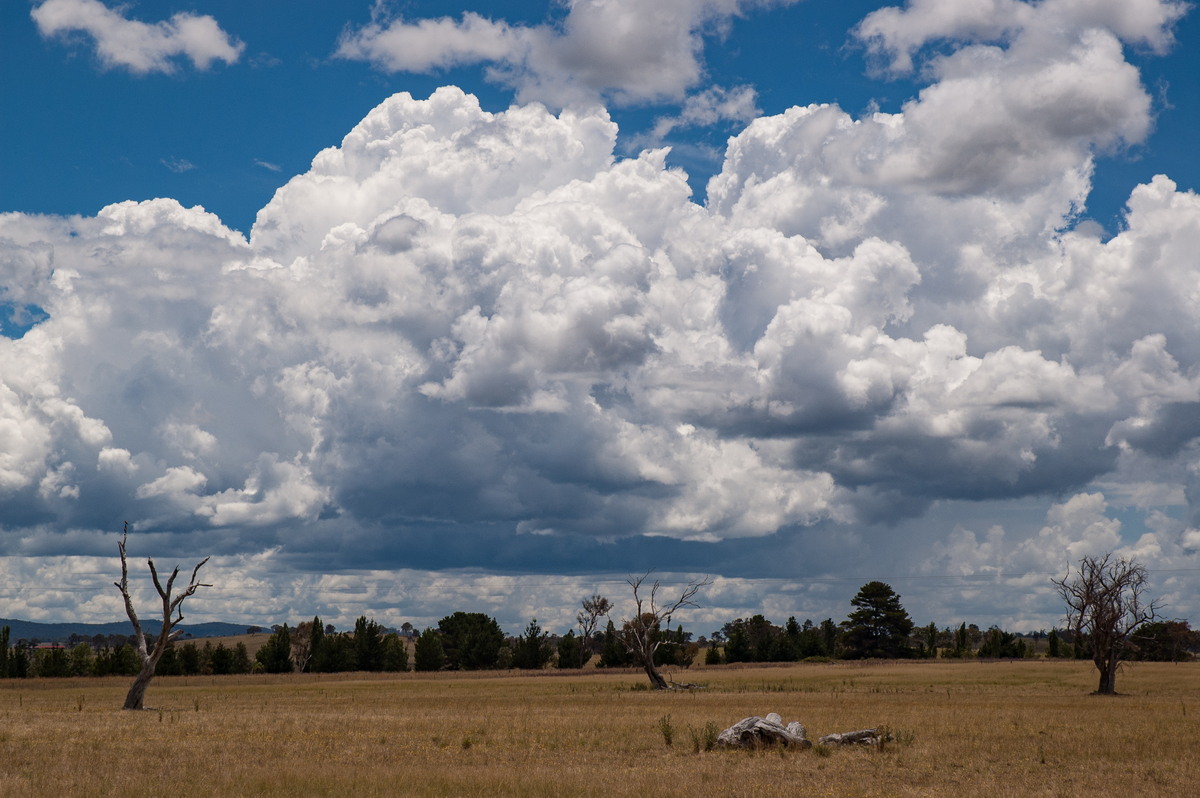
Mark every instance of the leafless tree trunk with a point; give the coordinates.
(170, 606)
(641, 632)
(1105, 606)
(594, 609)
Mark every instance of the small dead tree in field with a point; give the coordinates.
(641, 633)
(594, 609)
(170, 607)
(1106, 604)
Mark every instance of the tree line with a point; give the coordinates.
(116, 655)
(878, 626)
(1108, 613)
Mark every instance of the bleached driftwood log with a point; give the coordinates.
(756, 732)
(860, 737)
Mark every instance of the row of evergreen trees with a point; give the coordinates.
(313, 647)
(118, 659)
(878, 627)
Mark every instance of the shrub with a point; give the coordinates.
(704, 739)
(668, 731)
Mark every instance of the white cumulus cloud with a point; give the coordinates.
(629, 51)
(474, 327)
(140, 47)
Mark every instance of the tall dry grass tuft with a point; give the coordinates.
(982, 729)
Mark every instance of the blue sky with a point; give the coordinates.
(403, 308)
(288, 96)
(215, 137)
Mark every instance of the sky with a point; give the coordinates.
(403, 308)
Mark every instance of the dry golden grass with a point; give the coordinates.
(977, 729)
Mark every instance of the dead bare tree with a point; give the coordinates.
(171, 606)
(1106, 604)
(641, 633)
(594, 609)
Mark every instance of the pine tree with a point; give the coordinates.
(18, 663)
(241, 658)
(471, 640)
(614, 653)
(879, 626)
(316, 640)
(169, 665)
(737, 646)
(829, 637)
(54, 663)
(395, 653)
(961, 644)
(930, 641)
(221, 660)
(429, 654)
(189, 659)
(276, 654)
(811, 641)
(569, 653)
(340, 654)
(368, 644)
(787, 645)
(4, 658)
(1053, 645)
(532, 651)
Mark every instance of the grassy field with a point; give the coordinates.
(973, 729)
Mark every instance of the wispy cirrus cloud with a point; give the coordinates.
(178, 165)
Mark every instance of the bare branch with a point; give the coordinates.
(1106, 604)
(123, 586)
(172, 614)
(642, 632)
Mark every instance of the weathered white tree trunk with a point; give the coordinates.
(756, 732)
(149, 657)
(135, 698)
(656, 679)
(860, 737)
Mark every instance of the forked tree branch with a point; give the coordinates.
(643, 630)
(172, 614)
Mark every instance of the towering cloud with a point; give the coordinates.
(487, 324)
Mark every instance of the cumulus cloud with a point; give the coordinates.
(707, 108)
(628, 51)
(138, 46)
(483, 328)
(898, 33)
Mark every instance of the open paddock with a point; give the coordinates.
(963, 728)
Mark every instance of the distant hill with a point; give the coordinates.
(60, 632)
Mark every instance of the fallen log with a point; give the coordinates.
(860, 737)
(756, 732)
